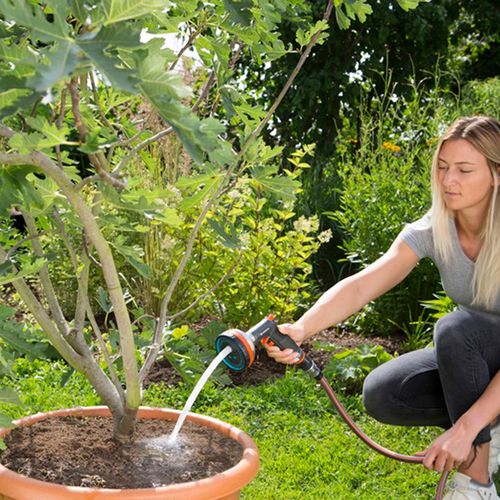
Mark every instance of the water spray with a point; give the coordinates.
(243, 348)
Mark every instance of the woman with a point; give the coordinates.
(456, 384)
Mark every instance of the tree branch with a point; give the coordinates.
(97, 160)
(48, 288)
(5, 131)
(148, 362)
(20, 243)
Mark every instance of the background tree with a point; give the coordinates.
(458, 39)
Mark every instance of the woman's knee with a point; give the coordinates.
(377, 396)
(451, 330)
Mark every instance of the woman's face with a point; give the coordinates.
(464, 176)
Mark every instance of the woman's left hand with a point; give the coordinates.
(449, 450)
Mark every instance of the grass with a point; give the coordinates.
(306, 451)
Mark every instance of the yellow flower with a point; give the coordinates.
(391, 147)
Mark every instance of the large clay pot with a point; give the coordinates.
(223, 486)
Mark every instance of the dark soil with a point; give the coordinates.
(79, 451)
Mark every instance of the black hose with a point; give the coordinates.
(416, 459)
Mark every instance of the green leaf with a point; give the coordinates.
(31, 16)
(60, 62)
(13, 338)
(6, 423)
(121, 10)
(8, 273)
(53, 134)
(133, 257)
(410, 4)
(155, 79)
(103, 300)
(359, 9)
(240, 11)
(12, 101)
(202, 185)
(97, 46)
(281, 186)
(303, 38)
(228, 239)
(15, 188)
(8, 395)
(342, 20)
(79, 11)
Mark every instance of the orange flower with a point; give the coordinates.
(391, 147)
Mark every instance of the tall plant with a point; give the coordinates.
(74, 77)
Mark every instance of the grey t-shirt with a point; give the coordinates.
(456, 275)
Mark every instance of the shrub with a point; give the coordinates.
(385, 184)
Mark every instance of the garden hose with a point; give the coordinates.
(414, 459)
(243, 345)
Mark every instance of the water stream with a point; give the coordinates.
(197, 388)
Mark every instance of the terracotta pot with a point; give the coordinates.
(223, 486)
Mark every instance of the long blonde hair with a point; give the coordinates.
(483, 133)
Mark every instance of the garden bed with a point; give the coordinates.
(324, 345)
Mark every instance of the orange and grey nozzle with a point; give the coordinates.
(243, 345)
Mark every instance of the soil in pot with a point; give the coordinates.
(80, 451)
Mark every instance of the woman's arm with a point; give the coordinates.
(349, 296)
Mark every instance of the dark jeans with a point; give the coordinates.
(435, 386)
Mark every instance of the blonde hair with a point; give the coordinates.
(483, 133)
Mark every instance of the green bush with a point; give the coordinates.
(268, 245)
(385, 184)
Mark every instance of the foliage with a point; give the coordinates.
(190, 352)
(385, 177)
(459, 38)
(78, 80)
(20, 339)
(348, 369)
(256, 233)
(440, 305)
(418, 332)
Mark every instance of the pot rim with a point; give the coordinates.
(219, 485)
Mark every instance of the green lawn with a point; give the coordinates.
(307, 451)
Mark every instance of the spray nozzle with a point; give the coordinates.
(243, 345)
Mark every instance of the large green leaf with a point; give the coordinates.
(100, 47)
(156, 80)
(281, 186)
(25, 14)
(60, 62)
(121, 10)
(8, 395)
(16, 189)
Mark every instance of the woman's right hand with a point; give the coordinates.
(287, 356)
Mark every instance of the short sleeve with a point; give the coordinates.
(418, 236)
